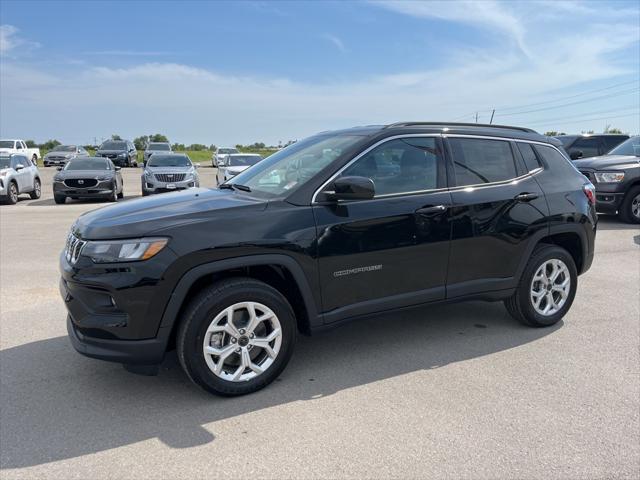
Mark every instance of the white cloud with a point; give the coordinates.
(336, 41)
(10, 40)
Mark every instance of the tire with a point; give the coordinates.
(521, 304)
(121, 194)
(12, 194)
(59, 199)
(114, 193)
(37, 189)
(209, 305)
(630, 208)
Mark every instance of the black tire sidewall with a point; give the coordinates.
(524, 290)
(37, 192)
(191, 340)
(625, 210)
(12, 198)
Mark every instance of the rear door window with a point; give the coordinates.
(478, 160)
(531, 161)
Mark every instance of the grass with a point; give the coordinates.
(196, 156)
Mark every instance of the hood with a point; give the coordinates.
(236, 170)
(608, 162)
(168, 169)
(160, 214)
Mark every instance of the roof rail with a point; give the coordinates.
(454, 124)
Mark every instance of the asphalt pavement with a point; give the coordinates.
(450, 391)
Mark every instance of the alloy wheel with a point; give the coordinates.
(550, 287)
(13, 193)
(242, 341)
(635, 206)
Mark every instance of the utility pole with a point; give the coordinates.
(491, 121)
(476, 117)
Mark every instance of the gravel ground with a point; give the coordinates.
(458, 391)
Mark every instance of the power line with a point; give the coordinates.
(571, 117)
(587, 120)
(625, 92)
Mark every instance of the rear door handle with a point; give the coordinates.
(431, 210)
(526, 197)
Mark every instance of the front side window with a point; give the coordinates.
(479, 160)
(589, 146)
(242, 160)
(400, 166)
(293, 166)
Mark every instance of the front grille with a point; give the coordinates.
(73, 248)
(55, 159)
(81, 182)
(170, 177)
(589, 175)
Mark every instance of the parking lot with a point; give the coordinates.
(458, 391)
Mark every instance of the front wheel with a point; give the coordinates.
(630, 207)
(547, 287)
(236, 336)
(37, 189)
(114, 194)
(12, 194)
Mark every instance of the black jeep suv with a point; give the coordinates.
(122, 153)
(337, 226)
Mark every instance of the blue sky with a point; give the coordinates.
(239, 72)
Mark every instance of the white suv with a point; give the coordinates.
(18, 175)
(221, 154)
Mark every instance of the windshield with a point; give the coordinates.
(6, 143)
(5, 162)
(88, 164)
(226, 151)
(113, 146)
(169, 161)
(243, 160)
(628, 147)
(159, 146)
(290, 168)
(64, 148)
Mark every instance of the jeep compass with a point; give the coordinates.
(338, 226)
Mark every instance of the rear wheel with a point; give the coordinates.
(236, 336)
(547, 287)
(59, 199)
(37, 189)
(630, 208)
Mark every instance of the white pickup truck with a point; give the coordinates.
(18, 146)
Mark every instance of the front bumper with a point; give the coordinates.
(152, 185)
(101, 190)
(608, 202)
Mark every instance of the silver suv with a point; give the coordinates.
(165, 172)
(155, 147)
(18, 175)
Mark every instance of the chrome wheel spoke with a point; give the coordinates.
(550, 287)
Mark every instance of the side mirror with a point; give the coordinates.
(19, 167)
(118, 168)
(575, 154)
(59, 169)
(353, 188)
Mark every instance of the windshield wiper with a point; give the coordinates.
(225, 185)
(244, 188)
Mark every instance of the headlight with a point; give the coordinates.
(103, 178)
(609, 177)
(122, 155)
(111, 251)
(56, 178)
(147, 173)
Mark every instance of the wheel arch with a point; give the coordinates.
(279, 271)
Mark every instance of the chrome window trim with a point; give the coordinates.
(445, 135)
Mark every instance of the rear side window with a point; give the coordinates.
(530, 159)
(555, 160)
(478, 160)
(612, 142)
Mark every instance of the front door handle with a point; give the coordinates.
(526, 197)
(431, 210)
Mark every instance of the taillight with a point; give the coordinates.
(590, 191)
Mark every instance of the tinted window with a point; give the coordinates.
(479, 160)
(5, 162)
(242, 160)
(400, 166)
(6, 143)
(159, 146)
(613, 141)
(114, 146)
(566, 139)
(530, 159)
(630, 147)
(555, 160)
(19, 160)
(225, 151)
(589, 146)
(88, 164)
